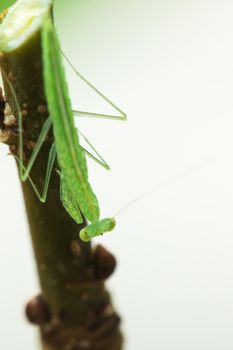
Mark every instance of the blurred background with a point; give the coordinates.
(168, 65)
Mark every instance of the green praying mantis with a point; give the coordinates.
(76, 192)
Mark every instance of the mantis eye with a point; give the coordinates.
(113, 224)
(83, 235)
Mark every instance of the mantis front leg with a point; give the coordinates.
(69, 201)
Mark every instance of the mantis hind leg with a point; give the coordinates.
(84, 114)
(52, 155)
(24, 171)
(122, 115)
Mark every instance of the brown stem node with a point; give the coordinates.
(37, 311)
(104, 262)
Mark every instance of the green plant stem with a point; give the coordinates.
(80, 308)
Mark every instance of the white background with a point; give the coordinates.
(169, 65)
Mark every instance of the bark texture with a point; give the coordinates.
(74, 310)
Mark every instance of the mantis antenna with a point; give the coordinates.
(108, 224)
(163, 183)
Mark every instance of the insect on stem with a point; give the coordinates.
(76, 193)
